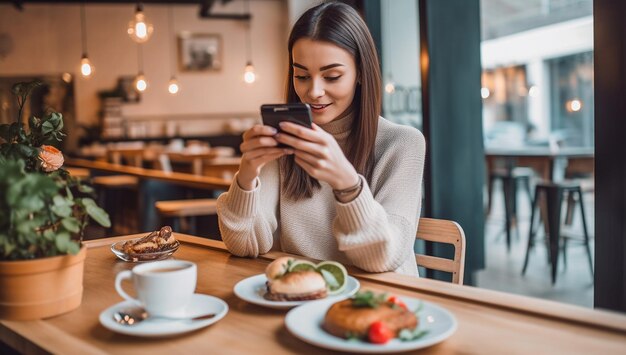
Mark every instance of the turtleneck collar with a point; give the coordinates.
(340, 126)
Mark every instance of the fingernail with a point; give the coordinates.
(274, 130)
(288, 151)
(281, 124)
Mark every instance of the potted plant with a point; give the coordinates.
(43, 214)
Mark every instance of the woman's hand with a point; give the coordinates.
(319, 154)
(258, 148)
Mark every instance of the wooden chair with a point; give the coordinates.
(447, 232)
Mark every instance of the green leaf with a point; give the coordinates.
(33, 123)
(62, 201)
(85, 189)
(61, 211)
(73, 247)
(98, 215)
(62, 241)
(71, 224)
(49, 234)
(88, 202)
(47, 127)
(368, 299)
(410, 335)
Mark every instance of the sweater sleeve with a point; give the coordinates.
(246, 224)
(377, 229)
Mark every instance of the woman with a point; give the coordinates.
(349, 189)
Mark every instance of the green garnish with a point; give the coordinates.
(409, 335)
(352, 336)
(419, 308)
(368, 299)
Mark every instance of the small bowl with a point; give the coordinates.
(116, 248)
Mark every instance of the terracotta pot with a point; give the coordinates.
(41, 288)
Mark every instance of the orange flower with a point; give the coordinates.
(51, 158)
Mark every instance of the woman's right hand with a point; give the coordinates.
(258, 148)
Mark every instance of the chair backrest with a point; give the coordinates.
(448, 232)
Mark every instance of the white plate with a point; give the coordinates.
(253, 288)
(200, 305)
(305, 322)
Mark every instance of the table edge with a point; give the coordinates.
(595, 318)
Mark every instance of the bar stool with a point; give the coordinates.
(553, 194)
(511, 178)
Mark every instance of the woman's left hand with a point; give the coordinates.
(319, 154)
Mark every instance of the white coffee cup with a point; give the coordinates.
(164, 288)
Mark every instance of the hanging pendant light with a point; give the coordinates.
(86, 68)
(139, 28)
(141, 83)
(172, 86)
(390, 86)
(249, 76)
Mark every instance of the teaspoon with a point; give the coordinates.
(136, 315)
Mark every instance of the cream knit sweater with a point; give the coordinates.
(374, 232)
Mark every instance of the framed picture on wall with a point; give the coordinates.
(199, 52)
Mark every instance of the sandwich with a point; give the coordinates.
(286, 283)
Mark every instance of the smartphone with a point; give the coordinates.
(297, 113)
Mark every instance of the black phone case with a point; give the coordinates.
(297, 113)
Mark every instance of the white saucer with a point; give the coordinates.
(200, 305)
(253, 288)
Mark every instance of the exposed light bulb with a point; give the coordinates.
(67, 77)
(574, 105)
(390, 87)
(139, 28)
(141, 84)
(86, 68)
(484, 93)
(173, 87)
(249, 76)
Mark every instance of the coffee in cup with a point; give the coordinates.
(164, 288)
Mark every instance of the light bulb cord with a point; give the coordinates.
(83, 29)
(140, 58)
(170, 30)
(248, 35)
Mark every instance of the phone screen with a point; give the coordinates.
(297, 113)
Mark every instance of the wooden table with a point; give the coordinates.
(549, 164)
(209, 163)
(190, 180)
(489, 322)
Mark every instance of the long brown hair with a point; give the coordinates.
(341, 25)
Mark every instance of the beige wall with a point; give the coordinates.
(46, 40)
